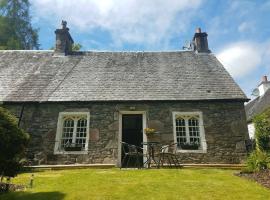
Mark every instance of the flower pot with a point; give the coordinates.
(75, 148)
(190, 146)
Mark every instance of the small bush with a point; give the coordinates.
(258, 160)
(262, 130)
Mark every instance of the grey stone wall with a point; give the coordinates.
(224, 124)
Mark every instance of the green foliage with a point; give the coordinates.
(76, 47)
(16, 31)
(262, 130)
(12, 144)
(258, 160)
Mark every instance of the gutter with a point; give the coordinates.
(21, 115)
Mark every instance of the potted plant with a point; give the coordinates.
(190, 146)
(149, 131)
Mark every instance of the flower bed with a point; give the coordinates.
(261, 177)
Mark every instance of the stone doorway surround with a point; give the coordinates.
(121, 113)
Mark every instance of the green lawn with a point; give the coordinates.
(138, 184)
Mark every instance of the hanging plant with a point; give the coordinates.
(149, 131)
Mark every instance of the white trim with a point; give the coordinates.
(202, 133)
(60, 128)
(71, 152)
(121, 113)
(186, 130)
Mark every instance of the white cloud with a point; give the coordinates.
(246, 26)
(241, 58)
(133, 21)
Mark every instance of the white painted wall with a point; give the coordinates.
(263, 87)
(251, 130)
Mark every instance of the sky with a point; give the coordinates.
(238, 30)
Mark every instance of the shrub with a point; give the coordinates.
(258, 160)
(12, 144)
(262, 130)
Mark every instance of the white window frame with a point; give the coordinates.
(203, 144)
(57, 146)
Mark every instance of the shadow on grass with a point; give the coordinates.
(32, 196)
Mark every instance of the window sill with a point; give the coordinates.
(71, 152)
(191, 151)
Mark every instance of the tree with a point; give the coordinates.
(76, 47)
(16, 31)
(12, 144)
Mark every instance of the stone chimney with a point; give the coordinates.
(264, 86)
(64, 41)
(200, 41)
(264, 79)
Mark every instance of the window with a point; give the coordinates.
(72, 132)
(189, 131)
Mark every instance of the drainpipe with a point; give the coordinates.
(21, 115)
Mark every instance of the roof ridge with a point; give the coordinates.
(23, 50)
(108, 51)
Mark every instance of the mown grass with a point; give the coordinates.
(99, 184)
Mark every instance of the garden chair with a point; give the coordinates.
(168, 153)
(129, 152)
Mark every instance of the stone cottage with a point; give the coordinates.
(79, 106)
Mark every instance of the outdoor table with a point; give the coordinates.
(150, 153)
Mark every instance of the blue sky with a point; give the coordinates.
(238, 30)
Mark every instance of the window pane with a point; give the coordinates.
(68, 127)
(180, 130)
(81, 132)
(194, 131)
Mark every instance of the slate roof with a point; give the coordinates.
(257, 105)
(39, 76)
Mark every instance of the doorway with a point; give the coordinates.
(132, 133)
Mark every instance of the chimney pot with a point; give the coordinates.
(64, 24)
(198, 30)
(264, 79)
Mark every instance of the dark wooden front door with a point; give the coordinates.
(132, 132)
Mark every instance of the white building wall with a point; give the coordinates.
(251, 130)
(263, 87)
